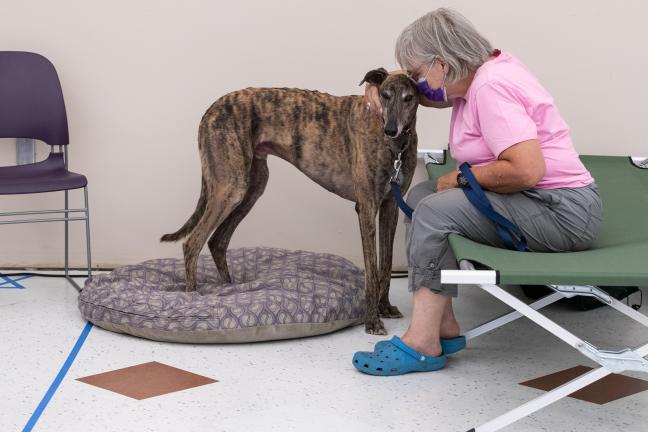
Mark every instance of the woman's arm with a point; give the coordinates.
(519, 167)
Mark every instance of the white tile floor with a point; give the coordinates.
(306, 384)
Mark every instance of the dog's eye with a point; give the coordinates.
(385, 95)
(407, 98)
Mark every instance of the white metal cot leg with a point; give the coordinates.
(627, 359)
(511, 316)
(543, 401)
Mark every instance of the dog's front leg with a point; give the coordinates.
(367, 218)
(388, 219)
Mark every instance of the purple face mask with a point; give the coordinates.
(438, 95)
(435, 95)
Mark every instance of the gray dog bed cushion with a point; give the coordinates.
(274, 294)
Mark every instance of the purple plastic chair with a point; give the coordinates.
(32, 106)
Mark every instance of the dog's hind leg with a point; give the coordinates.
(222, 199)
(220, 239)
(387, 220)
(225, 169)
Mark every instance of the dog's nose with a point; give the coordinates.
(391, 131)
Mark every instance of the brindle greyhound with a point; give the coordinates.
(334, 140)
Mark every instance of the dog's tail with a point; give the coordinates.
(193, 220)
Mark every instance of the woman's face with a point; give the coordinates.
(434, 73)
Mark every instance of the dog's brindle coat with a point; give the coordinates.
(336, 141)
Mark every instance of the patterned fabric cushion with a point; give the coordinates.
(275, 294)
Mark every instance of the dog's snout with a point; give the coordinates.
(391, 131)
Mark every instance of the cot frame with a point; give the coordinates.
(629, 359)
(488, 280)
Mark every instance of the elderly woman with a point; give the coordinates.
(506, 125)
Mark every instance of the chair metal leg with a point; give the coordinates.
(66, 237)
(87, 212)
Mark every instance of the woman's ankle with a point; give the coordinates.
(449, 329)
(427, 347)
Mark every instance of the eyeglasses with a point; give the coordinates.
(414, 76)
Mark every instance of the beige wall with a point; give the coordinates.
(138, 75)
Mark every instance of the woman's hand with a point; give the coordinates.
(371, 97)
(447, 181)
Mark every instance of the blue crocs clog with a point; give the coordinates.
(396, 358)
(449, 346)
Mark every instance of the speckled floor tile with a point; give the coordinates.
(305, 384)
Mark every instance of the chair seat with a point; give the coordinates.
(47, 176)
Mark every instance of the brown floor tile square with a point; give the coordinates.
(146, 380)
(612, 387)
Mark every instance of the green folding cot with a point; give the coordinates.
(619, 257)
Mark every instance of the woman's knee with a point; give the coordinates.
(441, 210)
(420, 191)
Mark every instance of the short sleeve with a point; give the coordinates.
(503, 119)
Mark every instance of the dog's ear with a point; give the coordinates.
(376, 76)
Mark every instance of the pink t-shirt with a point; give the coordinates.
(504, 105)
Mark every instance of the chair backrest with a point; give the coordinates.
(31, 100)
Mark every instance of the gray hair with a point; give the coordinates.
(447, 34)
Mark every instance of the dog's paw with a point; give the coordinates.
(375, 328)
(389, 311)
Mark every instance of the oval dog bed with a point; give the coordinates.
(274, 294)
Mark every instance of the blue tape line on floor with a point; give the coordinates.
(57, 381)
(13, 282)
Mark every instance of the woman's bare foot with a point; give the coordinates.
(429, 348)
(449, 329)
(432, 317)
(449, 326)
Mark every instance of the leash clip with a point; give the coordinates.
(397, 167)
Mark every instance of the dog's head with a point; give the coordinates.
(399, 100)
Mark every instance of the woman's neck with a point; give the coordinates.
(458, 89)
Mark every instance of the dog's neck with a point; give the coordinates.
(399, 144)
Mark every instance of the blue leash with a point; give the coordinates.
(395, 187)
(507, 230)
(510, 234)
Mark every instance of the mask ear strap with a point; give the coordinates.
(444, 70)
(443, 87)
(428, 70)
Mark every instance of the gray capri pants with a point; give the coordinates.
(553, 220)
